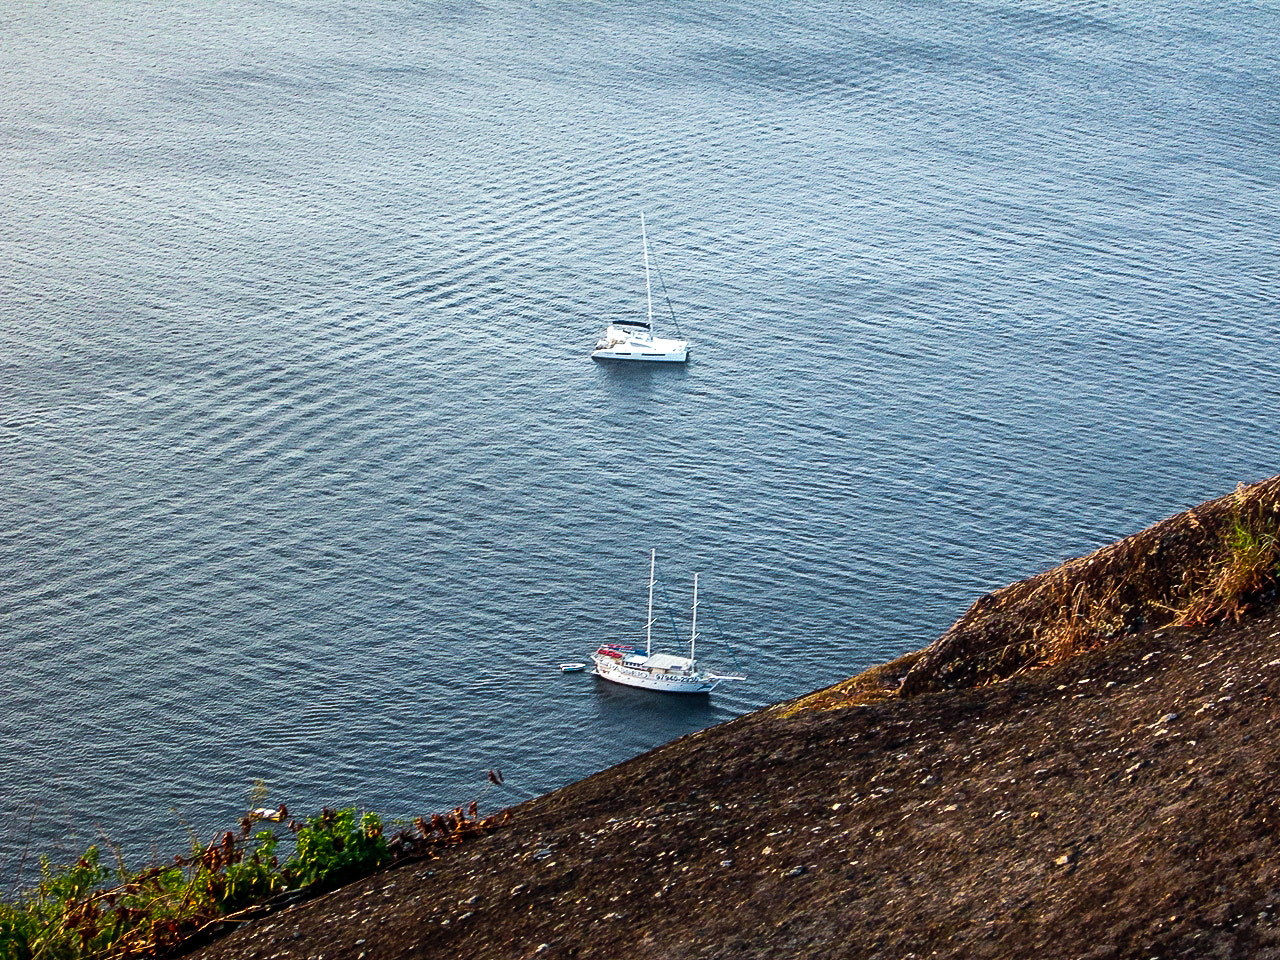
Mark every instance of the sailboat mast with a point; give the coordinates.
(693, 632)
(648, 293)
(648, 626)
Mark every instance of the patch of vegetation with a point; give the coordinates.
(88, 911)
(336, 847)
(873, 685)
(1246, 565)
(1214, 562)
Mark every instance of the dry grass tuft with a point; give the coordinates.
(1245, 565)
(1210, 563)
(871, 686)
(1213, 562)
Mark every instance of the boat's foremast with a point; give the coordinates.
(648, 626)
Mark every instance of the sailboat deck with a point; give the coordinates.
(666, 661)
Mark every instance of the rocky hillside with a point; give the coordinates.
(1082, 767)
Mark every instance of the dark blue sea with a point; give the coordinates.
(306, 476)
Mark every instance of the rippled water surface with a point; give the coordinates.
(307, 476)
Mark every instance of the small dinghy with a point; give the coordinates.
(572, 667)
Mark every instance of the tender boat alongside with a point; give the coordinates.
(636, 666)
(634, 339)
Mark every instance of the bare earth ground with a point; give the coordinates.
(1121, 804)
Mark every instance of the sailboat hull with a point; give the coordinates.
(648, 679)
(622, 344)
(679, 356)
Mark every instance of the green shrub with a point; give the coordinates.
(18, 930)
(87, 912)
(334, 847)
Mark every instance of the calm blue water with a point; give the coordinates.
(306, 477)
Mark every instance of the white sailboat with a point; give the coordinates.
(630, 665)
(634, 339)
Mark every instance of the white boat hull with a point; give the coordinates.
(620, 344)
(613, 354)
(633, 676)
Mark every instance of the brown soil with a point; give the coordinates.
(1120, 803)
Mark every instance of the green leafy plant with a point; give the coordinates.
(87, 911)
(18, 930)
(335, 847)
(1248, 561)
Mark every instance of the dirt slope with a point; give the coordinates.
(1121, 803)
(1116, 806)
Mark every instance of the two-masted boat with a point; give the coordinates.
(637, 666)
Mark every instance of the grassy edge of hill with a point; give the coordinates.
(1215, 562)
(90, 911)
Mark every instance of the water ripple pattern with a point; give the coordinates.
(307, 476)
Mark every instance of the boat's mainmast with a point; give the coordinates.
(648, 293)
(693, 631)
(648, 626)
